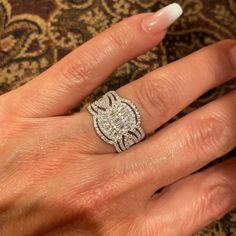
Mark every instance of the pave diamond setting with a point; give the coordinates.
(117, 121)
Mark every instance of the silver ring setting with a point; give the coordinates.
(117, 121)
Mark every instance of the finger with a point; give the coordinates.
(166, 91)
(185, 145)
(65, 84)
(195, 201)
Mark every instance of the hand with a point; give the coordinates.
(57, 177)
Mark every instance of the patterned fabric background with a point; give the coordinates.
(36, 33)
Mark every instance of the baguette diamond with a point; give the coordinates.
(117, 121)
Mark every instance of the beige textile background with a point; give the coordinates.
(34, 34)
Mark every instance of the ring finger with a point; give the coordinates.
(166, 91)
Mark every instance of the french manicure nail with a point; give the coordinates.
(162, 19)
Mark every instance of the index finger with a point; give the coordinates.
(60, 88)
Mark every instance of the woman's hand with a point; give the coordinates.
(57, 177)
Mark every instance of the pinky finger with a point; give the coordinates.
(195, 201)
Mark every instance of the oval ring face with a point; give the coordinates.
(117, 121)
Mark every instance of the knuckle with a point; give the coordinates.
(96, 204)
(210, 135)
(121, 36)
(76, 71)
(217, 69)
(218, 198)
(155, 98)
(96, 201)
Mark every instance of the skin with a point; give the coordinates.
(58, 178)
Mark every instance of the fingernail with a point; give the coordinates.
(162, 19)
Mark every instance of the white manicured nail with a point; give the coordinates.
(162, 19)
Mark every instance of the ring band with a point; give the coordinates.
(117, 121)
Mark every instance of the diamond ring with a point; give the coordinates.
(117, 121)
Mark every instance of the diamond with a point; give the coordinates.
(117, 121)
